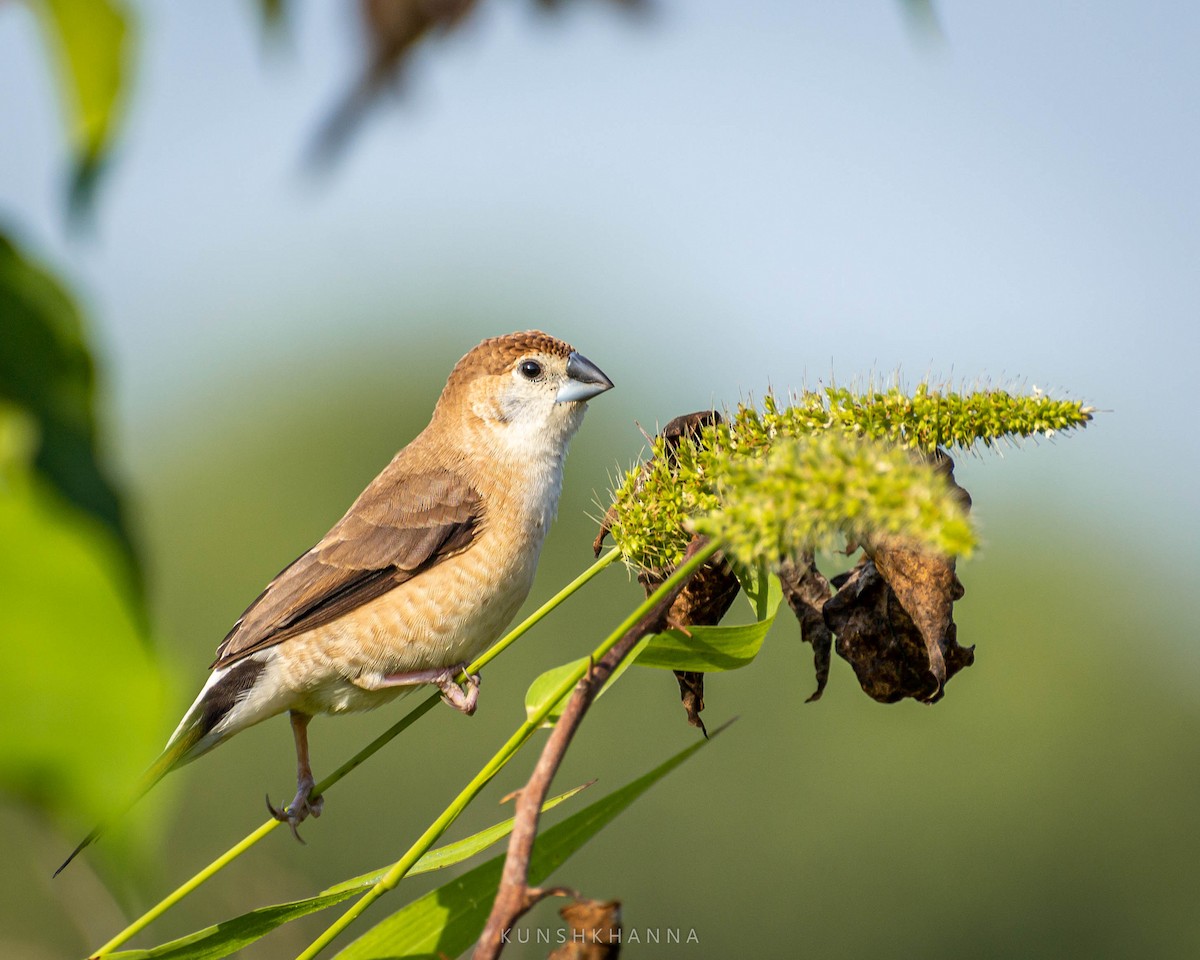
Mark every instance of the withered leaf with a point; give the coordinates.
(806, 591)
(926, 586)
(703, 602)
(893, 616)
(691, 695)
(711, 591)
(595, 932)
(878, 638)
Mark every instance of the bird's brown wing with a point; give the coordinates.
(399, 527)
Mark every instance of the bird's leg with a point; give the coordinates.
(303, 803)
(442, 677)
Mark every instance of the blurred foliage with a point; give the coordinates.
(47, 371)
(91, 43)
(81, 698)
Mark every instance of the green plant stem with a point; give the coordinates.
(370, 749)
(514, 743)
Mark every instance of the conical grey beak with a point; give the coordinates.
(586, 380)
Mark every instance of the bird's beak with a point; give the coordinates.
(586, 380)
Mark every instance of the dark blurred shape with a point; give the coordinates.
(921, 18)
(806, 591)
(595, 932)
(392, 29)
(711, 591)
(634, 6)
(47, 370)
(87, 171)
(273, 14)
(894, 616)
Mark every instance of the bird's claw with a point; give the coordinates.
(460, 699)
(303, 805)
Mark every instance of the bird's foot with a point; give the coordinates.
(303, 805)
(460, 699)
(444, 678)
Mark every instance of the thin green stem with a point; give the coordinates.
(182, 891)
(369, 750)
(514, 743)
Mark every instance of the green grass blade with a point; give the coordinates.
(229, 936)
(446, 921)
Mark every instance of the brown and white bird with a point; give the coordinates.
(425, 570)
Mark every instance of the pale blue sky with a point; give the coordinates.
(786, 188)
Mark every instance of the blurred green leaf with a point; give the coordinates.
(81, 699)
(90, 40)
(46, 369)
(446, 921)
(229, 936)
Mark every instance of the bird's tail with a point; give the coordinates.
(206, 724)
(174, 754)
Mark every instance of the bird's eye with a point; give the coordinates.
(530, 369)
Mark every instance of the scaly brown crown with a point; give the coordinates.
(495, 355)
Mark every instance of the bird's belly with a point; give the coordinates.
(445, 616)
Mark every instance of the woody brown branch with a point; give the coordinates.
(514, 898)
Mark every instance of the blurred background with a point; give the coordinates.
(708, 200)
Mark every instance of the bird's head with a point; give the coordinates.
(524, 392)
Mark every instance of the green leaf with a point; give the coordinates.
(544, 686)
(81, 698)
(717, 648)
(229, 936)
(90, 40)
(708, 649)
(47, 371)
(446, 921)
(762, 588)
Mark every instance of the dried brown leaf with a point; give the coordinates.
(595, 931)
(806, 591)
(894, 617)
(711, 591)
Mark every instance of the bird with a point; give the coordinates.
(422, 573)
